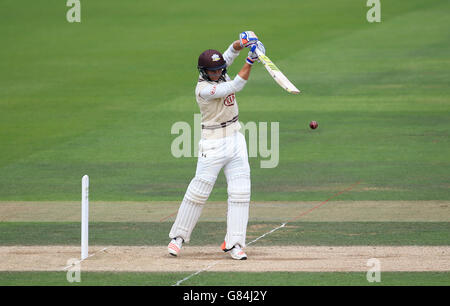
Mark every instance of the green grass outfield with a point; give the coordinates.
(100, 98)
(226, 279)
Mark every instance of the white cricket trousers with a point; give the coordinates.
(229, 153)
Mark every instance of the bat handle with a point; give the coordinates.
(258, 52)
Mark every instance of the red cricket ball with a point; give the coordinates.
(313, 125)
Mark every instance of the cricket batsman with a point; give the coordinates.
(221, 146)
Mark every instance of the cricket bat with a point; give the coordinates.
(276, 74)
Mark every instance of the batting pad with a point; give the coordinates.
(238, 207)
(191, 208)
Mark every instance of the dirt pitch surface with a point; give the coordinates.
(285, 258)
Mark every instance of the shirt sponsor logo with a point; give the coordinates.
(229, 100)
(213, 90)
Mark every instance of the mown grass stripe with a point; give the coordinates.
(296, 233)
(226, 279)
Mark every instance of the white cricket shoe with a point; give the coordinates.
(175, 245)
(236, 252)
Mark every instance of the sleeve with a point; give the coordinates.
(223, 89)
(230, 54)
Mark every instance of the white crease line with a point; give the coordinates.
(196, 273)
(277, 228)
(81, 260)
(215, 263)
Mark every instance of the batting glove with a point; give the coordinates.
(247, 39)
(252, 56)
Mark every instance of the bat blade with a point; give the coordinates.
(276, 73)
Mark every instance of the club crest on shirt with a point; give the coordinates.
(229, 100)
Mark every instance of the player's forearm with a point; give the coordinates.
(245, 71)
(237, 45)
(232, 52)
